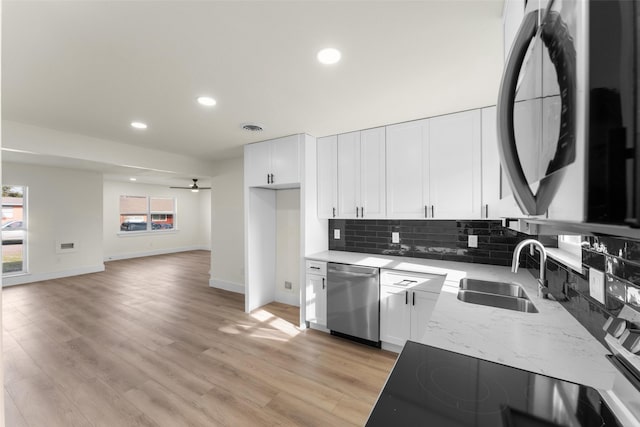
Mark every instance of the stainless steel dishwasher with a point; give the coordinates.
(353, 302)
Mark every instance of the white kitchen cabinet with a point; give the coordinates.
(395, 315)
(455, 185)
(490, 164)
(361, 174)
(422, 306)
(316, 293)
(404, 313)
(327, 161)
(407, 170)
(274, 163)
(434, 168)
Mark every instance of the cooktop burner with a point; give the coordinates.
(431, 386)
(449, 385)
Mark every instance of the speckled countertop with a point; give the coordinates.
(551, 342)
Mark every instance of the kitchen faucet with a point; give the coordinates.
(543, 290)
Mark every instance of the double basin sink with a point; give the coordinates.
(495, 294)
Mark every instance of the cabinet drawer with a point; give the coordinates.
(316, 267)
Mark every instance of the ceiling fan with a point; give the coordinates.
(194, 187)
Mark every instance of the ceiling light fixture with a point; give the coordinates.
(207, 101)
(329, 56)
(138, 125)
(132, 179)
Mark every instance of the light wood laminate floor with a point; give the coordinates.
(149, 343)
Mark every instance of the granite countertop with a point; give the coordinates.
(551, 342)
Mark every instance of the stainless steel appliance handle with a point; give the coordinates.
(506, 98)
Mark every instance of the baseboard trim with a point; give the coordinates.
(289, 298)
(23, 279)
(226, 285)
(156, 252)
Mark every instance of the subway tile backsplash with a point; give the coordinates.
(433, 239)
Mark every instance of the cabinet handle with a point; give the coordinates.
(272, 178)
(362, 212)
(425, 212)
(357, 212)
(486, 211)
(323, 283)
(406, 297)
(315, 268)
(268, 179)
(432, 215)
(414, 298)
(334, 212)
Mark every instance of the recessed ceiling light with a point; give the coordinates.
(132, 179)
(329, 56)
(207, 101)
(138, 125)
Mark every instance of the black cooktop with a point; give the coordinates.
(433, 387)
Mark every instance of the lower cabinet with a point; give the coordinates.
(316, 293)
(404, 313)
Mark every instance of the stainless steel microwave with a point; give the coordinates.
(569, 111)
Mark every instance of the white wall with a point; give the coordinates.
(39, 140)
(227, 226)
(63, 205)
(192, 219)
(288, 246)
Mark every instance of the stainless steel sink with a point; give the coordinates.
(498, 301)
(499, 288)
(495, 294)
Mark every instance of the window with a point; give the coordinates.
(142, 213)
(14, 229)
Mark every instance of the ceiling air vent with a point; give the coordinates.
(252, 127)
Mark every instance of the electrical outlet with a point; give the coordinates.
(336, 234)
(472, 241)
(596, 285)
(395, 237)
(287, 285)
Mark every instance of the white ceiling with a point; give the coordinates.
(92, 67)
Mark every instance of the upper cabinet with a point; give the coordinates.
(408, 170)
(490, 164)
(434, 167)
(455, 184)
(351, 175)
(361, 174)
(327, 152)
(274, 163)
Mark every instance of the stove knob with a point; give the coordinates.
(631, 340)
(615, 326)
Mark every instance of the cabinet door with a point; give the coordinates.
(372, 173)
(422, 305)
(407, 161)
(455, 184)
(395, 315)
(257, 164)
(348, 174)
(316, 299)
(285, 160)
(327, 176)
(490, 164)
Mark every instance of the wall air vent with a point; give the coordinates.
(66, 246)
